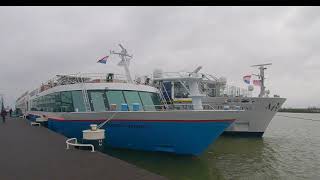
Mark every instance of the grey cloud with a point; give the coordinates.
(39, 42)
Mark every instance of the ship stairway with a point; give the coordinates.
(163, 94)
(85, 94)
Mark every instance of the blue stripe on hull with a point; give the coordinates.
(190, 138)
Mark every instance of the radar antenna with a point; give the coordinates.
(125, 59)
(197, 69)
(261, 77)
(195, 72)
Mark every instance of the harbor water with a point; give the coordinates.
(289, 149)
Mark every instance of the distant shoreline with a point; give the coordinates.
(300, 110)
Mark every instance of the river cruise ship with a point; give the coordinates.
(133, 115)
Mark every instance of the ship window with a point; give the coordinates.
(34, 105)
(66, 102)
(156, 100)
(115, 97)
(132, 97)
(98, 101)
(44, 103)
(147, 101)
(180, 91)
(51, 102)
(57, 102)
(78, 102)
(41, 102)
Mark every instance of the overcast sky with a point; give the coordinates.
(40, 42)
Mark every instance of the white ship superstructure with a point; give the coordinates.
(258, 113)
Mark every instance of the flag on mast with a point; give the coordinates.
(103, 60)
(247, 78)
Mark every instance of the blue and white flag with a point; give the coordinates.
(103, 60)
(247, 78)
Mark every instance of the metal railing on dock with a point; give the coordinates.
(75, 143)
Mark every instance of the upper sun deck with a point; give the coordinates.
(90, 81)
(81, 78)
(210, 84)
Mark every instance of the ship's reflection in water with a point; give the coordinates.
(238, 158)
(290, 149)
(226, 159)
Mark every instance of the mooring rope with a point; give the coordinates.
(300, 118)
(102, 124)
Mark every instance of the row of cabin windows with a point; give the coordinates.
(100, 100)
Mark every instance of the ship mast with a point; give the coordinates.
(261, 77)
(125, 59)
(192, 80)
(195, 94)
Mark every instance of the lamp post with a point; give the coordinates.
(2, 105)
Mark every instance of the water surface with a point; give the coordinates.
(289, 149)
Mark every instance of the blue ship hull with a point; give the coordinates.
(174, 136)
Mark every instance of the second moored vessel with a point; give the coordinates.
(258, 113)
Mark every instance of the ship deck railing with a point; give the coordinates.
(206, 77)
(175, 107)
(221, 84)
(167, 108)
(59, 80)
(169, 75)
(189, 106)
